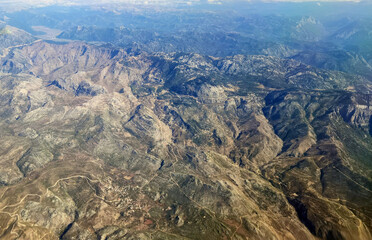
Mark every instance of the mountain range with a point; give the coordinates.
(131, 133)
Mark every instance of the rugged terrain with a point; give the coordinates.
(110, 143)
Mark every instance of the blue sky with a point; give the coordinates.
(35, 3)
(163, 1)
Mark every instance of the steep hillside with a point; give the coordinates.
(11, 36)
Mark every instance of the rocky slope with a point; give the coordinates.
(11, 36)
(108, 143)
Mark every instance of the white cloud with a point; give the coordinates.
(314, 0)
(147, 2)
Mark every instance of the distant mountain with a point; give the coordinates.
(338, 60)
(325, 44)
(356, 36)
(11, 36)
(208, 43)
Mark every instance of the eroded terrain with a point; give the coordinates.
(110, 143)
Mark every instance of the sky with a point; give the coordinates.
(160, 1)
(41, 3)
